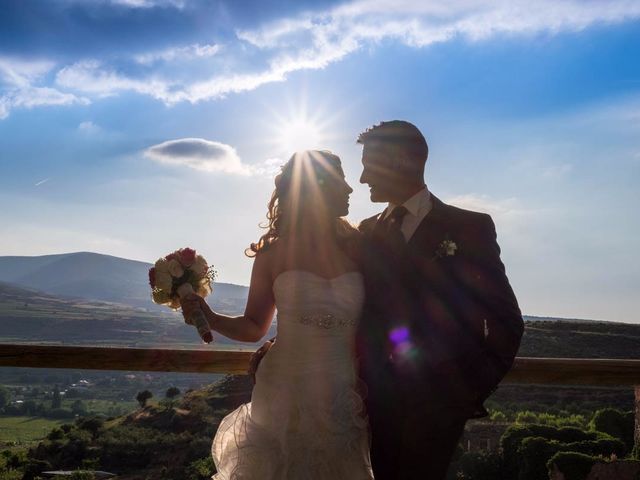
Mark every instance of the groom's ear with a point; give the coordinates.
(407, 166)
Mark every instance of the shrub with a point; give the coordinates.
(55, 434)
(34, 468)
(201, 469)
(498, 416)
(78, 408)
(535, 452)
(573, 465)
(562, 419)
(513, 437)
(128, 447)
(17, 459)
(91, 424)
(480, 466)
(616, 423)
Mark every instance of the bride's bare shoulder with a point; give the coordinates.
(270, 257)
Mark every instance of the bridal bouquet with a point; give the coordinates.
(179, 274)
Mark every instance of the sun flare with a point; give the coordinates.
(300, 134)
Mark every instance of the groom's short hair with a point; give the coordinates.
(398, 134)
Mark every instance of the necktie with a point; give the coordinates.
(394, 224)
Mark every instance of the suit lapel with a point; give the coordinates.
(378, 230)
(428, 234)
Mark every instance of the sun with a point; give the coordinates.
(299, 134)
(299, 123)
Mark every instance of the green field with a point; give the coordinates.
(25, 429)
(104, 407)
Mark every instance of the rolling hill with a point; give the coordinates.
(98, 277)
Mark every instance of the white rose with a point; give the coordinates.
(162, 266)
(161, 297)
(164, 281)
(200, 266)
(203, 291)
(175, 269)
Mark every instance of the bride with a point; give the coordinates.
(305, 419)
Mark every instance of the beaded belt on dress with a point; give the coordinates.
(327, 320)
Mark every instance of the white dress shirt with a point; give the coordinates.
(418, 206)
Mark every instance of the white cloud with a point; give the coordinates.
(90, 77)
(19, 87)
(47, 239)
(315, 40)
(21, 73)
(419, 24)
(188, 52)
(41, 182)
(509, 214)
(4, 108)
(89, 128)
(137, 4)
(150, 3)
(486, 204)
(199, 154)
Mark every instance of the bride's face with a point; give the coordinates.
(317, 188)
(335, 192)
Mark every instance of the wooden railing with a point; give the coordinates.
(554, 371)
(526, 370)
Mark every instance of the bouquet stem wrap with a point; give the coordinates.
(197, 318)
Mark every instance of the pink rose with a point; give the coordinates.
(152, 277)
(187, 256)
(171, 256)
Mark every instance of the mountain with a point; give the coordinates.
(100, 277)
(29, 315)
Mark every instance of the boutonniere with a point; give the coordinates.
(446, 248)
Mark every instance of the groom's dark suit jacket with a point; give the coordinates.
(438, 329)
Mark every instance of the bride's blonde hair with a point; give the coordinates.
(320, 161)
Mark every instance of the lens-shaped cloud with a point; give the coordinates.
(199, 154)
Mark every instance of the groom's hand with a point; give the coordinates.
(256, 358)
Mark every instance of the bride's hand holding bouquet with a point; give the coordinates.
(182, 279)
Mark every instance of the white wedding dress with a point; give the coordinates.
(305, 420)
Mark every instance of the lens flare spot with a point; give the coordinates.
(399, 335)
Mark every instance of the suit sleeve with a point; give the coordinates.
(502, 324)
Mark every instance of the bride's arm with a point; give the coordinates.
(255, 322)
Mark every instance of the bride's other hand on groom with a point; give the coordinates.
(257, 357)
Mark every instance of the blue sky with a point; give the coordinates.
(133, 127)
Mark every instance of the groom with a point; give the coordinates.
(441, 325)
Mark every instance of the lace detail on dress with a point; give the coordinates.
(306, 420)
(327, 320)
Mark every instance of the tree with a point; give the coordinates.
(55, 434)
(172, 392)
(29, 408)
(78, 408)
(91, 425)
(143, 397)
(5, 396)
(56, 399)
